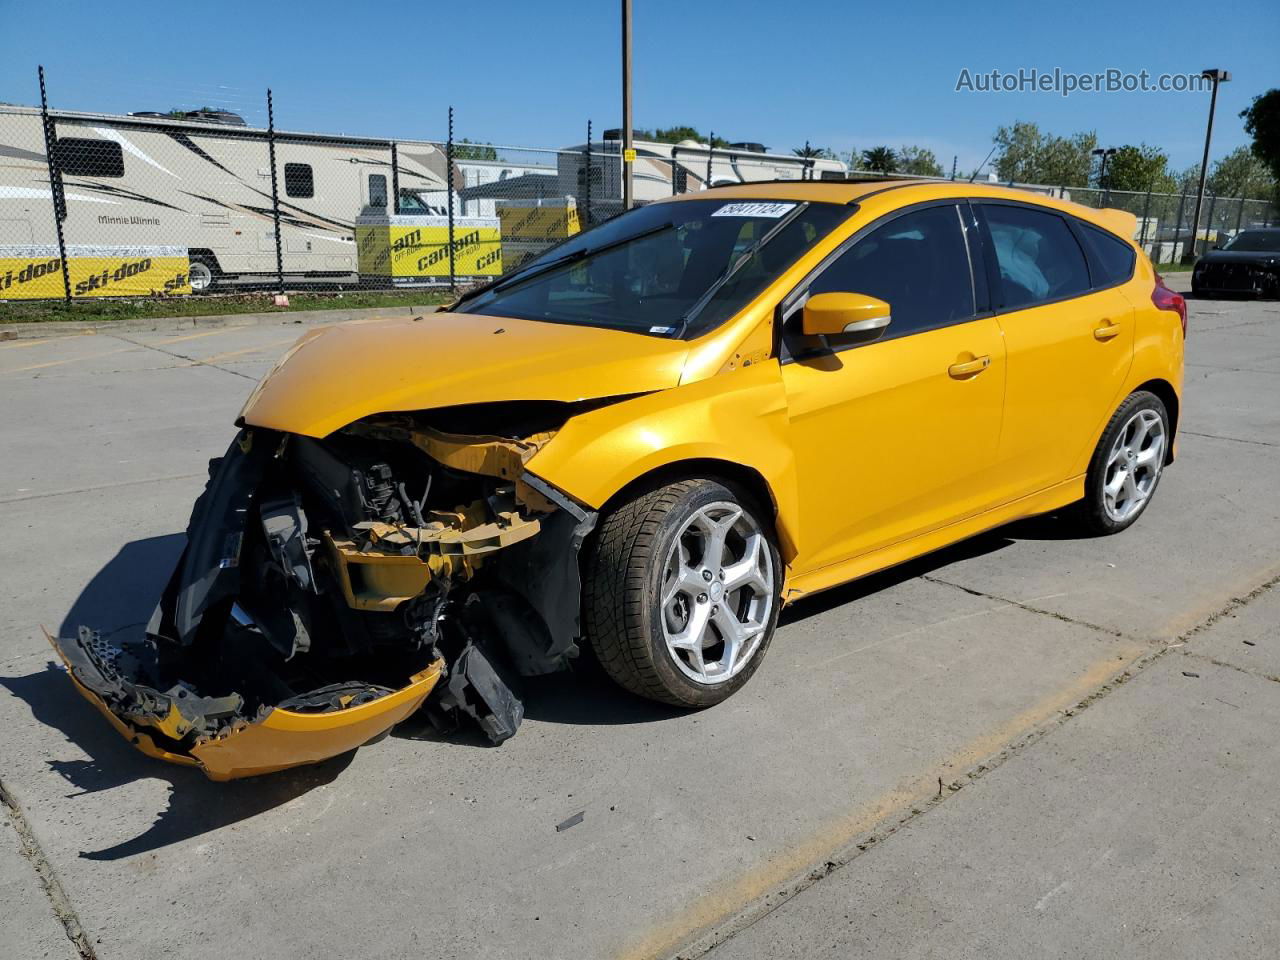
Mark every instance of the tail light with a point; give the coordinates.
(1166, 299)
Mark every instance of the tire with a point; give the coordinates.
(1135, 442)
(654, 546)
(202, 275)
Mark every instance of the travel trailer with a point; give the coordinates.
(664, 169)
(152, 185)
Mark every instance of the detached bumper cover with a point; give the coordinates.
(276, 740)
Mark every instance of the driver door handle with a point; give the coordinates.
(970, 368)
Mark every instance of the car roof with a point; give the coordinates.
(900, 193)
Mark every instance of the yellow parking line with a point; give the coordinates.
(58, 363)
(787, 865)
(237, 353)
(35, 343)
(195, 336)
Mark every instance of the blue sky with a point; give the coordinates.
(836, 73)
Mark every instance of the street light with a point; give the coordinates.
(1217, 76)
(1102, 171)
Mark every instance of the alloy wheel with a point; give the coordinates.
(1134, 465)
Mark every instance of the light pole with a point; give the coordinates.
(1102, 171)
(628, 150)
(1217, 76)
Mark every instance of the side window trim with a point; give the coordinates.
(993, 270)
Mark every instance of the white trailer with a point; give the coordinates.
(139, 182)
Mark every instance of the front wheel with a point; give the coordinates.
(680, 596)
(1127, 464)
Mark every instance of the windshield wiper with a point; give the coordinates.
(539, 270)
(737, 265)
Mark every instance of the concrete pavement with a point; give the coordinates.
(695, 826)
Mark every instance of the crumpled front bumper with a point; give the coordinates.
(277, 740)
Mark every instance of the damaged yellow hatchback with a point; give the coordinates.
(644, 442)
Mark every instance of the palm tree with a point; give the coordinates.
(880, 159)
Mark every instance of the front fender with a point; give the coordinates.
(739, 416)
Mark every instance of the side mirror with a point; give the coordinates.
(851, 315)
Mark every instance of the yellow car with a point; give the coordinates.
(644, 442)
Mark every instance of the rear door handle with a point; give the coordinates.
(969, 368)
(1106, 331)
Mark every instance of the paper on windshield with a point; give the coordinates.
(770, 211)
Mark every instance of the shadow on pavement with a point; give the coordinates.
(120, 597)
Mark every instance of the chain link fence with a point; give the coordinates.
(202, 202)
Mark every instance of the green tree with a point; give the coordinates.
(466, 149)
(1241, 174)
(1139, 168)
(816, 153)
(1026, 155)
(1262, 122)
(918, 161)
(880, 159)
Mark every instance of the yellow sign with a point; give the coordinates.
(629, 156)
(533, 220)
(35, 272)
(407, 247)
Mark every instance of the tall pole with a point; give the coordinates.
(275, 192)
(1217, 76)
(55, 185)
(628, 149)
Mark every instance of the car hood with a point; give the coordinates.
(336, 375)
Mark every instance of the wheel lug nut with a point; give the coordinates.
(706, 575)
(702, 598)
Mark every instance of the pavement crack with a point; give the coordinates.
(49, 881)
(45, 494)
(1215, 436)
(181, 356)
(1109, 631)
(1232, 666)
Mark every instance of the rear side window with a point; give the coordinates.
(298, 180)
(377, 190)
(80, 157)
(917, 263)
(1110, 258)
(1037, 255)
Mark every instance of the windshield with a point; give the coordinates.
(667, 269)
(1256, 241)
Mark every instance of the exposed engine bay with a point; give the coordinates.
(329, 588)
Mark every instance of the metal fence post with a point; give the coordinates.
(1146, 214)
(1177, 227)
(1239, 216)
(1208, 225)
(395, 180)
(586, 177)
(55, 185)
(711, 148)
(448, 156)
(275, 192)
(675, 170)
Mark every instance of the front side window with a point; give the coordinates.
(298, 180)
(1111, 259)
(1037, 255)
(917, 263)
(82, 157)
(666, 269)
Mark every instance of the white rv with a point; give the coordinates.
(145, 182)
(664, 169)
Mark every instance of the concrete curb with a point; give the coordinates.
(72, 328)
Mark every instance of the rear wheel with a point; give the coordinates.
(201, 275)
(680, 596)
(1127, 464)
